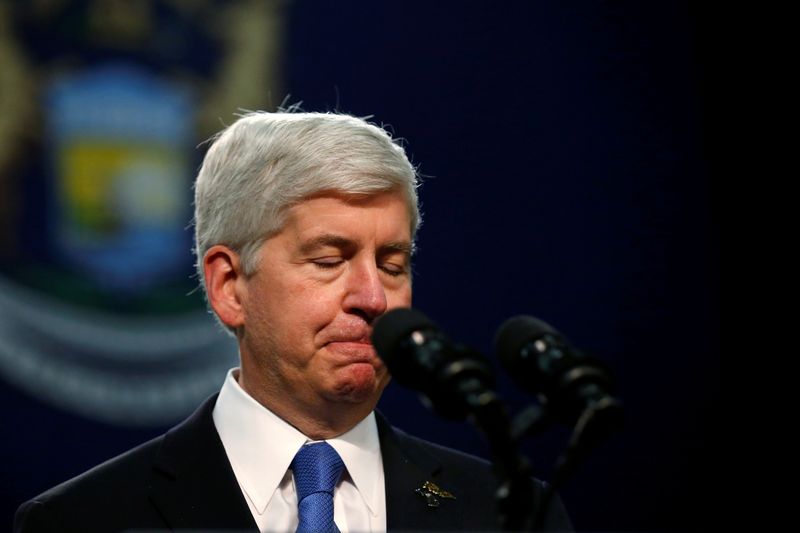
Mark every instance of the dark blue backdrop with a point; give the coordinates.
(564, 152)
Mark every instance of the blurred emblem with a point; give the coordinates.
(104, 107)
(119, 172)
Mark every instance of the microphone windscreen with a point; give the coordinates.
(514, 334)
(391, 328)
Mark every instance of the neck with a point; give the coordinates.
(316, 420)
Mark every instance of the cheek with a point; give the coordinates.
(274, 314)
(399, 298)
(315, 307)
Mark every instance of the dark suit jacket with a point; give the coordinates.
(183, 480)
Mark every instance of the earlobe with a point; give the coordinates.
(223, 274)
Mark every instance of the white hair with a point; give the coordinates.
(264, 163)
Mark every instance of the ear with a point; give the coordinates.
(224, 278)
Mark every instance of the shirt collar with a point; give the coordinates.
(260, 446)
(360, 451)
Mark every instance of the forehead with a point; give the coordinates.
(385, 213)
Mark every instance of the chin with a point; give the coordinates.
(358, 384)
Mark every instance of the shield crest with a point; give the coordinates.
(120, 143)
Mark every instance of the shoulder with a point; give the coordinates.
(122, 470)
(117, 494)
(110, 488)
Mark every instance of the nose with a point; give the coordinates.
(365, 293)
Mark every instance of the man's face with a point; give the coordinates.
(338, 263)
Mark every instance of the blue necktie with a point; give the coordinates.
(316, 469)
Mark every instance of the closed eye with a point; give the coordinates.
(327, 263)
(393, 270)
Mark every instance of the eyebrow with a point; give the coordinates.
(343, 243)
(401, 247)
(326, 239)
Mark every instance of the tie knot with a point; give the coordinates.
(316, 468)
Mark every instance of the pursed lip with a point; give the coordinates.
(354, 349)
(359, 336)
(354, 340)
(356, 344)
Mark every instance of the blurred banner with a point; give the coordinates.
(126, 370)
(103, 107)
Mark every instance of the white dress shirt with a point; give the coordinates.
(260, 447)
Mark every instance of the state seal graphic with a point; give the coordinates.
(104, 107)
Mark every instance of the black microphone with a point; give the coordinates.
(574, 389)
(457, 383)
(455, 380)
(541, 361)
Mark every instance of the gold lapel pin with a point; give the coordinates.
(430, 491)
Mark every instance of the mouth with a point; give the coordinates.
(357, 350)
(349, 343)
(355, 338)
(349, 335)
(361, 344)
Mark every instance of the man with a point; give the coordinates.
(305, 226)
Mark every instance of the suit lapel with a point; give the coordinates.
(407, 467)
(192, 483)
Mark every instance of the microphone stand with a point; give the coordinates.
(515, 492)
(487, 411)
(595, 423)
